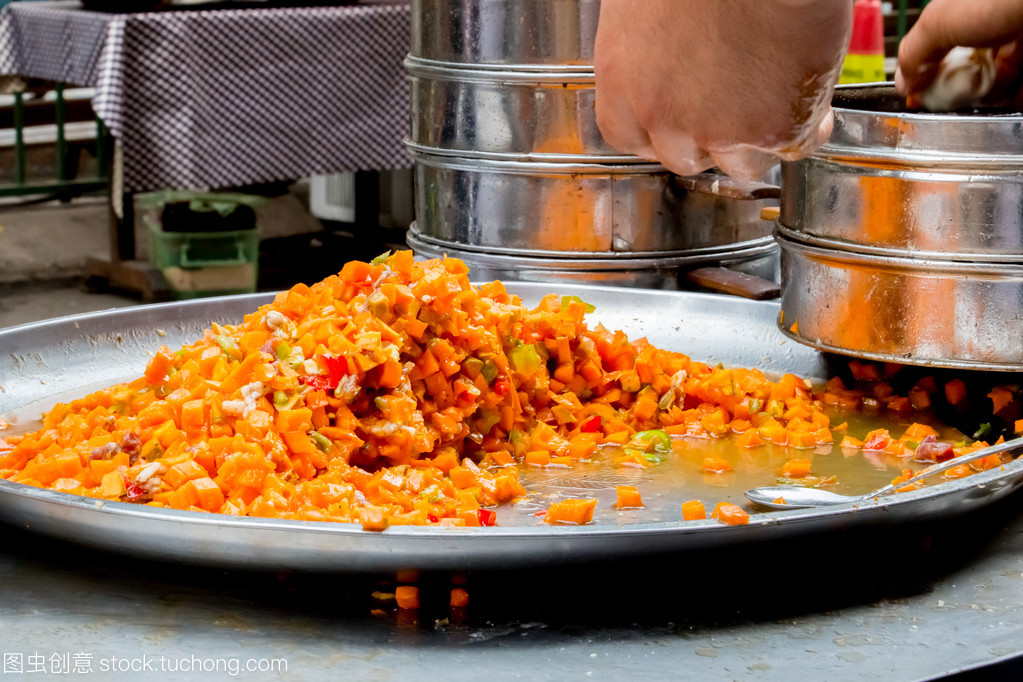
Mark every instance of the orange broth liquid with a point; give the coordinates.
(676, 478)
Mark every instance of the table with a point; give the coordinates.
(880, 600)
(219, 98)
(912, 604)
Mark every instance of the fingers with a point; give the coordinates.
(679, 153)
(1008, 75)
(620, 128)
(945, 24)
(745, 163)
(924, 45)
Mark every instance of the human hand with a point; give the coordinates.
(737, 84)
(944, 24)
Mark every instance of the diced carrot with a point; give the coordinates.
(538, 457)
(716, 465)
(572, 511)
(796, 468)
(693, 510)
(209, 496)
(156, 369)
(730, 514)
(459, 598)
(193, 417)
(183, 472)
(1000, 397)
(644, 409)
(295, 420)
(955, 392)
(628, 496)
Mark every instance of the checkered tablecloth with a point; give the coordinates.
(217, 98)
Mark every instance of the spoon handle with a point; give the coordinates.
(1007, 446)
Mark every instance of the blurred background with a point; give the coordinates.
(64, 218)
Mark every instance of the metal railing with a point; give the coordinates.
(69, 139)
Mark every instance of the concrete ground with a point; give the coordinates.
(44, 249)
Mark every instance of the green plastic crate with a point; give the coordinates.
(205, 263)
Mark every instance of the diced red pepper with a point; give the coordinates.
(592, 425)
(502, 387)
(878, 442)
(487, 517)
(337, 368)
(319, 383)
(432, 519)
(134, 491)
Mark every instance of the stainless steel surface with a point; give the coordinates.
(547, 116)
(916, 311)
(804, 497)
(933, 185)
(545, 34)
(577, 210)
(48, 361)
(882, 608)
(903, 606)
(758, 257)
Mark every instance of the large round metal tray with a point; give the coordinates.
(49, 361)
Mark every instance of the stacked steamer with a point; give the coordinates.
(902, 237)
(513, 176)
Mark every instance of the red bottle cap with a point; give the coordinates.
(868, 28)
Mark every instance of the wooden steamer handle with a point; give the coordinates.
(722, 279)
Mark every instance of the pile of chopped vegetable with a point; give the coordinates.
(397, 393)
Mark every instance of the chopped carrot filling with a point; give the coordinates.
(397, 393)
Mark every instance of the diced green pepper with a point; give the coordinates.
(381, 259)
(283, 401)
(431, 494)
(652, 445)
(487, 419)
(525, 359)
(283, 351)
(489, 371)
(377, 304)
(655, 439)
(227, 344)
(321, 442)
(565, 300)
(153, 453)
(472, 366)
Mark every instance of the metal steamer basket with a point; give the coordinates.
(513, 176)
(902, 237)
(757, 258)
(511, 113)
(553, 35)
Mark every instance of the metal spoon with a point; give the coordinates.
(801, 497)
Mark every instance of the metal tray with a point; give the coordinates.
(46, 362)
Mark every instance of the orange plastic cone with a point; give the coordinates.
(864, 62)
